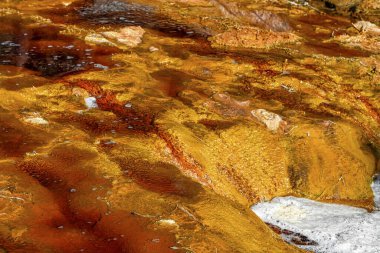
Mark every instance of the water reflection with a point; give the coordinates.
(133, 14)
(44, 50)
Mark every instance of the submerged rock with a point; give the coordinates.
(272, 121)
(36, 120)
(368, 37)
(261, 18)
(367, 27)
(153, 49)
(128, 36)
(95, 38)
(91, 103)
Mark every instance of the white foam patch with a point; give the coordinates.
(336, 228)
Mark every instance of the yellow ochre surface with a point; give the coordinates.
(153, 126)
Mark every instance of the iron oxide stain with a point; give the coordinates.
(172, 81)
(17, 139)
(79, 193)
(161, 177)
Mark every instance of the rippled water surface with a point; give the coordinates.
(152, 126)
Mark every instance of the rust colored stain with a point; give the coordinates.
(18, 78)
(172, 81)
(142, 122)
(372, 109)
(148, 178)
(107, 101)
(16, 138)
(160, 177)
(216, 124)
(83, 220)
(70, 197)
(181, 158)
(335, 50)
(134, 234)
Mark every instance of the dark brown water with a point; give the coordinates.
(44, 50)
(113, 12)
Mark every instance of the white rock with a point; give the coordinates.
(336, 228)
(95, 38)
(366, 26)
(153, 49)
(36, 120)
(110, 34)
(167, 222)
(270, 119)
(33, 153)
(130, 36)
(91, 102)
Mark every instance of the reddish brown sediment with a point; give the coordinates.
(189, 166)
(139, 121)
(48, 217)
(16, 138)
(172, 81)
(160, 177)
(46, 50)
(375, 112)
(160, 146)
(216, 124)
(84, 214)
(106, 100)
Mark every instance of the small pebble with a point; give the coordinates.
(91, 102)
(153, 49)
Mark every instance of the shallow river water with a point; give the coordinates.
(155, 126)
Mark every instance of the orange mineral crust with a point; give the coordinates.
(153, 126)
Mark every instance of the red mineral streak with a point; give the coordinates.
(141, 122)
(107, 101)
